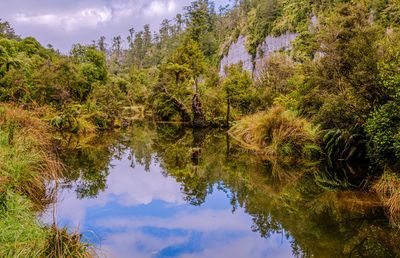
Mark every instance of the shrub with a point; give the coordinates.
(276, 132)
(383, 129)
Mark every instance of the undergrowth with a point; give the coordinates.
(26, 166)
(277, 132)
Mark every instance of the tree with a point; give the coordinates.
(164, 29)
(7, 31)
(348, 67)
(131, 35)
(188, 61)
(117, 46)
(6, 61)
(102, 44)
(197, 19)
(92, 68)
(235, 86)
(146, 37)
(179, 22)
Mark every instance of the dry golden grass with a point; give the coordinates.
(29, 162)
(62, 243)
(275, 132)
(388, 188)
(27, 165)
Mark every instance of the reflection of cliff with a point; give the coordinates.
(237, 51)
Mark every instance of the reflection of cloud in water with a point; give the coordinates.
(135, 187)
(206, 233)
(144, 215)
(202, 220)
(127, 187)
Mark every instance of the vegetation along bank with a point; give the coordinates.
(333, 93)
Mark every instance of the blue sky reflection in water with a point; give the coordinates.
(143, 214)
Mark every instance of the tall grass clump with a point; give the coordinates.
(388, 188)
(27, 161)
(27, 164)
(276, 132)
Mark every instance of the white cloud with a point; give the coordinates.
(203, 220)
(90, 17)
(157, 8)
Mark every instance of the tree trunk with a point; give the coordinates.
(198, 116)
(177, 79)
(196, 84)
(228, 111)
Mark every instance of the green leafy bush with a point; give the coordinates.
(383, 129)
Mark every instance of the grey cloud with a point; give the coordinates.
(63, 23)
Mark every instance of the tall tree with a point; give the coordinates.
(189, 60)
(117, 41)
(102, 44)
(7, 31)
(197, 19)
(131, 35)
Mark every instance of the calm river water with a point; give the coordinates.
(163, 190)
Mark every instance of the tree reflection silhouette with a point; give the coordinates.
(319, 209)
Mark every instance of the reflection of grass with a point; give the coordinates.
(330, 180)
(288, 169)
(26, 164)
(320, 221)
(388, 188)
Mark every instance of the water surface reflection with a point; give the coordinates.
(162, 190)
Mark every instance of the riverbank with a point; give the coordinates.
(27, 165)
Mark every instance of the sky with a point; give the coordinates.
(63, 23)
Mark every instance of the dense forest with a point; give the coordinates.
(334, 94)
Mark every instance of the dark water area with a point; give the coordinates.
(164, 190)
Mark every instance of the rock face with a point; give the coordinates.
(237, 51)
(272, 44)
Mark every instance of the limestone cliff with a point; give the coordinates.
(237, 51)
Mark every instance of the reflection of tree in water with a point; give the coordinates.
(87, 161)
(321, 222)
(319, 210)
(140, 137)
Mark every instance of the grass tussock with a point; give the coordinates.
(26, 159)
(62, 243)
(26, 166)
(276, 132)
(388, 188)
